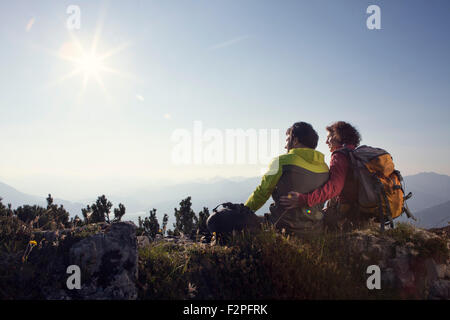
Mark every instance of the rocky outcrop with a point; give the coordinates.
(412, 261)
(108, 264)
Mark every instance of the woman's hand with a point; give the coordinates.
(290, 201)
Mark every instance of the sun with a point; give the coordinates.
(88, 59)
(87, 62)
(90, 64)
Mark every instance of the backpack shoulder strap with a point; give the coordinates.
(343, 150)
(347, 152)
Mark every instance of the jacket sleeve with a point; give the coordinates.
(268, 183)
(333, 187)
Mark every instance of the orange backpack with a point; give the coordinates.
(380, 190)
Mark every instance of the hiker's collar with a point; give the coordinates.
(307, 153)
(301, 150)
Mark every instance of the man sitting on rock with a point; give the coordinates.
(302, 169)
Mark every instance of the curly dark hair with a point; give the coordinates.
(344, 133)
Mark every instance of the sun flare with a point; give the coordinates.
(90, 64)
(87, 62)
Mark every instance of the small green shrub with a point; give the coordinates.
(402, 233)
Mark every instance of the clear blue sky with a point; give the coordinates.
(230, 64)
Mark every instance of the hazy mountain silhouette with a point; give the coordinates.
(430, 190)
(208, 193)
(17, 198)
(434, 217)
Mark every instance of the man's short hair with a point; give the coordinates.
(305, 134)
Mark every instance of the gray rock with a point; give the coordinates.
(388, 279)
(432, 270)
(108, 263)
(404, 275)
(143, 241)
(447, 271)
(402, 251)
(442, 270)
(440, 290)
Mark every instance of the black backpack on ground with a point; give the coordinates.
(232, 216)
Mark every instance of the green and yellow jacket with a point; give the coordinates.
(301, 170)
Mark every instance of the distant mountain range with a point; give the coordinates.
(436, 216)
(430, 202)
(17, 198)
(209, 193)
(428, 188)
